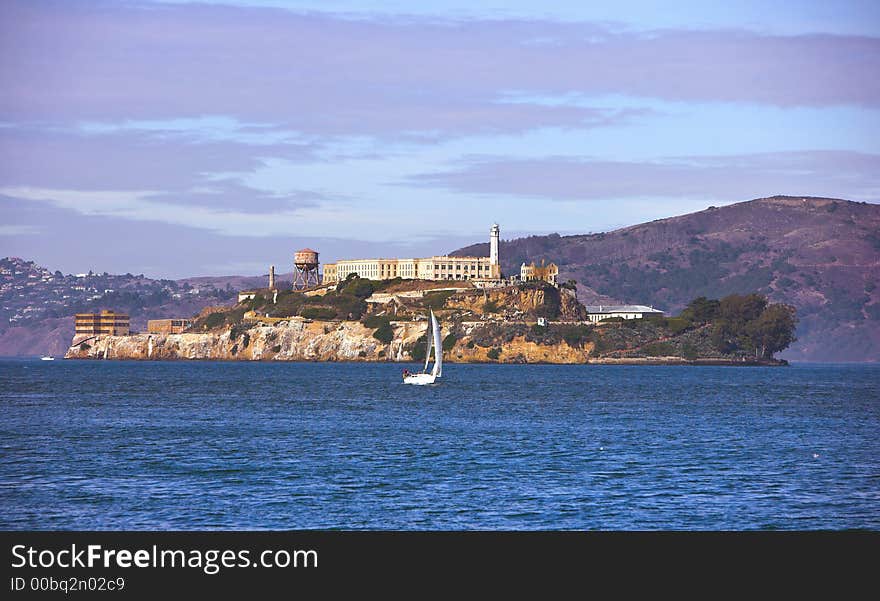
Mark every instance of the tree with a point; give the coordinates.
(741, 308)
(773, 330)
(701, 310)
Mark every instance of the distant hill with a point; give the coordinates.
(821, 255)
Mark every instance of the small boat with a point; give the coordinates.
(47, 358)
(437, 371)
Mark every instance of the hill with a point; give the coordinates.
(821, 255)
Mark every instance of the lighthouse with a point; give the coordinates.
(494, 238)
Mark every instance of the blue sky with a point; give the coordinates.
(181, 139)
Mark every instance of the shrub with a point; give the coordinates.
(362, 354)
(419, 348)
(375, 321)
(470, 344)
(677, 325)
(215, 320)
(689, 351)
(384, 333)
(276, 349)
(436, 300)
(236, 331)
(659, 349)
(318, 313)
(494, 353)
(575, 336)
(538, 330)
(449, 342)
(85, 346)
(490, 307)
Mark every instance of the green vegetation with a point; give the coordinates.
(449, 341)
(214, 320)
(494, 353)
(747, 324)
(490, 307)
(418, 349)
(384, 333)
(237, 330)
(436, 300)
(574, 335)
(375, 321)
(319, 313)
(659, 349)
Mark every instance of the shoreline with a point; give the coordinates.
(667, 361)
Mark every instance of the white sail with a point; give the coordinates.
(433, 336)
(438, 348)
(428, 352)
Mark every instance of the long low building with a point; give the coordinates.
(599, 312)
(168, 326)
(430, 268)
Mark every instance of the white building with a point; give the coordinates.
(597, 313)
(430, 268)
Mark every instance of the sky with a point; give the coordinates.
(180, 139)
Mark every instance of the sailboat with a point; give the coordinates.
(437, 371)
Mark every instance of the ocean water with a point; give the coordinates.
(213, 445)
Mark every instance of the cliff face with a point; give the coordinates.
(299, 340)
(294, 340)
(545, 301)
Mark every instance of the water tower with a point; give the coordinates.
(305, 269)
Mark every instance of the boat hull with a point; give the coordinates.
(420, 379)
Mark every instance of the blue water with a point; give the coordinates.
(125, 445)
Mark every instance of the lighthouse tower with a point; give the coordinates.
(494, 238)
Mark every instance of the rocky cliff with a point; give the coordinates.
(302, 340)
(464, 342)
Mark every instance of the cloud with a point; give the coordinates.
(105, 242)
(326, 75)
(851, 175)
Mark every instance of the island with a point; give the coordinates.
(359, 319)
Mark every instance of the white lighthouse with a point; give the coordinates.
(494, 238)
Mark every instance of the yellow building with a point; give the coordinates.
(533, 273)
(105, 322)
(431, 268)
(168, 326)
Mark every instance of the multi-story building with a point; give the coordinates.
(168, 326)
(430, 268)
(533, 273)
(105, 322)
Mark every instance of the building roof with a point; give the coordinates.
(307, 250)
(621, 309)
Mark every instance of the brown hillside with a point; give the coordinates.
(820, 254)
